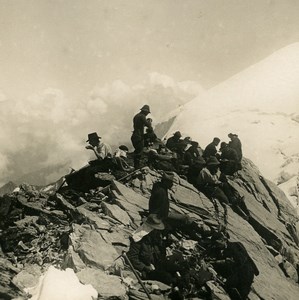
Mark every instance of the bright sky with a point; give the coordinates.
(71, 67)
(74, 45)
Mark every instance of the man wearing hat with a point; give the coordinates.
(148, 256)
(208, 182)
(137, 138)
(236, 144)
(100, 149)
(194, 169)
(229, 159)
(159, 201)
(174, 141)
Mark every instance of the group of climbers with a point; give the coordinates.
(148, 252)
(206, 169)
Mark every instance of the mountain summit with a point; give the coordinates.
(261, 105)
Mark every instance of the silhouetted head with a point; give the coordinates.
(216, 141)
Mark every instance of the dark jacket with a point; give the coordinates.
(145, 252)
(173, 143)
(210, 150)
(139, 122)
(190, 156)
(159, 202)
(236, 144)
(230, 154)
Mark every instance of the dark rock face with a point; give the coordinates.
(88, 232)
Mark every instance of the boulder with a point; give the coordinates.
(114, 211)
(28, 277)
(95, 251)
(107, 286)
(93, 218)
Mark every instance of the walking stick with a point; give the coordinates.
(124, 255)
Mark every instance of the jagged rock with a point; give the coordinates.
(289, 270)
(7, 188)
(73, 260)
(7, 272)
(218, 293)
(93, 218)
(28, 277)
(5, 206)
(117, 213)
(130, 196)
(117, 237)
(107, 286)
(132, 209)
(92, 248)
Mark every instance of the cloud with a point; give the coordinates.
(48, 129)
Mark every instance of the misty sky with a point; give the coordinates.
(71, 67)
(74, 45)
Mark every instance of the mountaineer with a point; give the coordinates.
(235, 264)
(229, 159)
(174, 141)
(159, 201)
(191, 154)
(120, 158)
(236, 144)
(214, 186)
(137, 138)
(100, 149)
(195, 169)
(150, 137)
(148, 256)
(211, 150)
(208, 182)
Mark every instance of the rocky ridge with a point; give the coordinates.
(89, 231)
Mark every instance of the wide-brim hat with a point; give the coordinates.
(145, 108)
(199, 161)
(93, 136)
(213, 161)
(155, 222)
(123, 147)
(169, 176)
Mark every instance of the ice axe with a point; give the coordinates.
(127, 260)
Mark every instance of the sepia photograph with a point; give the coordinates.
(149, 149)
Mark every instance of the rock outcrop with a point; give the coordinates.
(89, 232)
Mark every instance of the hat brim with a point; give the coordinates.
(150, 221)
(158, 226)
(213, 164)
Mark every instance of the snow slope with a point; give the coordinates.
(261, 105)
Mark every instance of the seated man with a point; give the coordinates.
(148, 256)
(235, 264)
(195, 169)
(120, 157)
(191, 154)
(100, 149)
(211, 149)
(174, 141)
(210, 184)
(229, 159)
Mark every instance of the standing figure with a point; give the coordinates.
(236, 144)
(137, 138)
